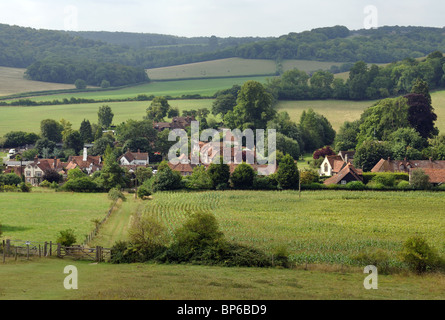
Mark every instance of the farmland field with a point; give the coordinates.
(233, 67)
(12, 82)
(319, 227)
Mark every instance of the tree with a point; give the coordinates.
(19, 138)
(346, 138)
(316, 130)
(420, 180)
(74, 141)
(219, 173)
(199, 180)
(80, 84)
(105, 117)
(421, 115)
(86, 132)
(369, 153)
(51, 175)
(288, 145)
(45, 145)
(75, 173)
(158, 109)
(166, 179)
(243, 176)
(323, 152)
(111, 175)
(287, 174)
(101, 144)
(254, 107)
(51, 130)
(406, 143)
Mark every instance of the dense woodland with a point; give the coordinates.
(21, 47)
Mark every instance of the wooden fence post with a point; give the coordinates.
(45, 249)
(50, 248)
(58, 250)
(4, 251)
(27, 252)
(8, 246)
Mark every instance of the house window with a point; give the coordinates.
(326, 167)
(38, 174)
(28, 173)
(343, 182)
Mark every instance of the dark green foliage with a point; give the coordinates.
(74, 141)
(51, 130)
(25, 187)
(143, 192)
(243, 176)
(51, 175)
(287, 174)
(67, 237)
(10, 179)
(18, 138)
(86, 132)
(369, 154)
(116, 194)
(219, 173)
(166, 179)
(265, 183)
(316, 131)
(387, 178)
(421, 115)
(79, 83)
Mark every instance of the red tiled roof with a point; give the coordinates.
(348, 169)
(436, 175)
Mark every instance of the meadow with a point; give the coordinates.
(12, 81)
(40, 216)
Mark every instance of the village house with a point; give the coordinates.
(35, 170)
(134, 159)
(348, 174)
(332, 165)
(435, 169)
(176, 123)
(85, 162)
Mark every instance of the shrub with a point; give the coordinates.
(25, 187)
(115, 194)
(420, 180)
(143, 192)
(146, 232)
(419, 256)
(375, 257)
(374, 185)
(67, 238)
(355, 185)
(313, 186)
(243, 176)
(84, 184)
(403, 185)
(45, 184)
(309, 176)
(265, 183)
(388, 180)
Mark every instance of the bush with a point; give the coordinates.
(375, 257)
(313, 186)
(243, 176)
(115, 194)
(355, 185)
(84, 184)
(67, 238)
(25, 187)
(45, 184)
(403, 185)
(265, 183)
(143, 192)
(388, 180)
(419, 256)
(374, 185)
(420, 180)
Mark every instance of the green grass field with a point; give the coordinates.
(42, 279)
(234, 67)
(12, 81)
(29, 118)
(39, 216)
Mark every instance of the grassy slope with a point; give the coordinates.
(12, 81)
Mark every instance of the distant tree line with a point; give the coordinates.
(83, 72)
(364, 82)
(21, 47)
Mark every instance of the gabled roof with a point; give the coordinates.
(77, 161)
(437, 176)
(349, 169)
(332, 159)
(390, 165)
(130, 156)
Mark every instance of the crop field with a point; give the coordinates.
(12, 82)
(39, 216)
(28, 118)
(233, 67)
(319, 227)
